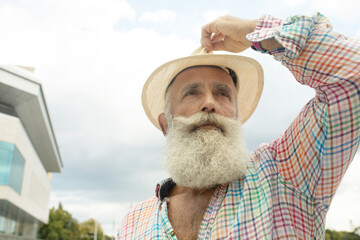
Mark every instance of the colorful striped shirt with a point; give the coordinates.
(291, 181)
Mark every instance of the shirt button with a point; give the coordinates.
(172, 233)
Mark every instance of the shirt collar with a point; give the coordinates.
(163, 188)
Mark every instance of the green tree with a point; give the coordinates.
(61, 226)
(342, 235)
(332, 235)
(87, 231)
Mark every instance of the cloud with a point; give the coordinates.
(208, 16)
(213, 14)
(346, 10)
(92, 78)
(33, 30)
(357, 36)
(108, 214)
(293, 3)
(66, 16)
(106, 186)
(160, 16)
(86, 14)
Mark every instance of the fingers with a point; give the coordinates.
(215, 42)
(227, 44)
(217, 37)
(227, 33)
(207, 32)
(215, 33)
(217, 46)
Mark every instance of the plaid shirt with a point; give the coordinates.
(290, 182)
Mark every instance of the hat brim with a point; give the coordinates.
(249, 73)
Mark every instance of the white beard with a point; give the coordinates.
(205, 157)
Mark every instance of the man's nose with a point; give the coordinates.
(209, 104)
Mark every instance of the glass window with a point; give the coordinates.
(11, 166)
(6, 152)
(2, 224)
(3, 213)
(17, 170)
(12, 222)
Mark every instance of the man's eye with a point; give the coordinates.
(189, 93)
(223, 94)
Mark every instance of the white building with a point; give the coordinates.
(28, 154)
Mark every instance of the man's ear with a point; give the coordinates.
(163, 123)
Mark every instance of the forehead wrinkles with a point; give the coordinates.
(228, 71)
(199, 78)
(191, 86)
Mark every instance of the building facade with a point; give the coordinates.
(28, 154)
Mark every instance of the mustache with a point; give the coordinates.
(208, 120)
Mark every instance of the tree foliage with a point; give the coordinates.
(87, 230)
(62, 226)
(342, 235)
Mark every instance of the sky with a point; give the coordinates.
(93, 57)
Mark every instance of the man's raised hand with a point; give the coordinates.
(227, 33)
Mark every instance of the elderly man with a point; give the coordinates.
(283, 189)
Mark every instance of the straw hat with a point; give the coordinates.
(249, 73)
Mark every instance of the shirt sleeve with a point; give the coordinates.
(314, 152)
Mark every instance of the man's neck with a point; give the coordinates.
(186, 208)
(191, 192)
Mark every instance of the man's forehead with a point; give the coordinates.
(195, 85)
(201, 68)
